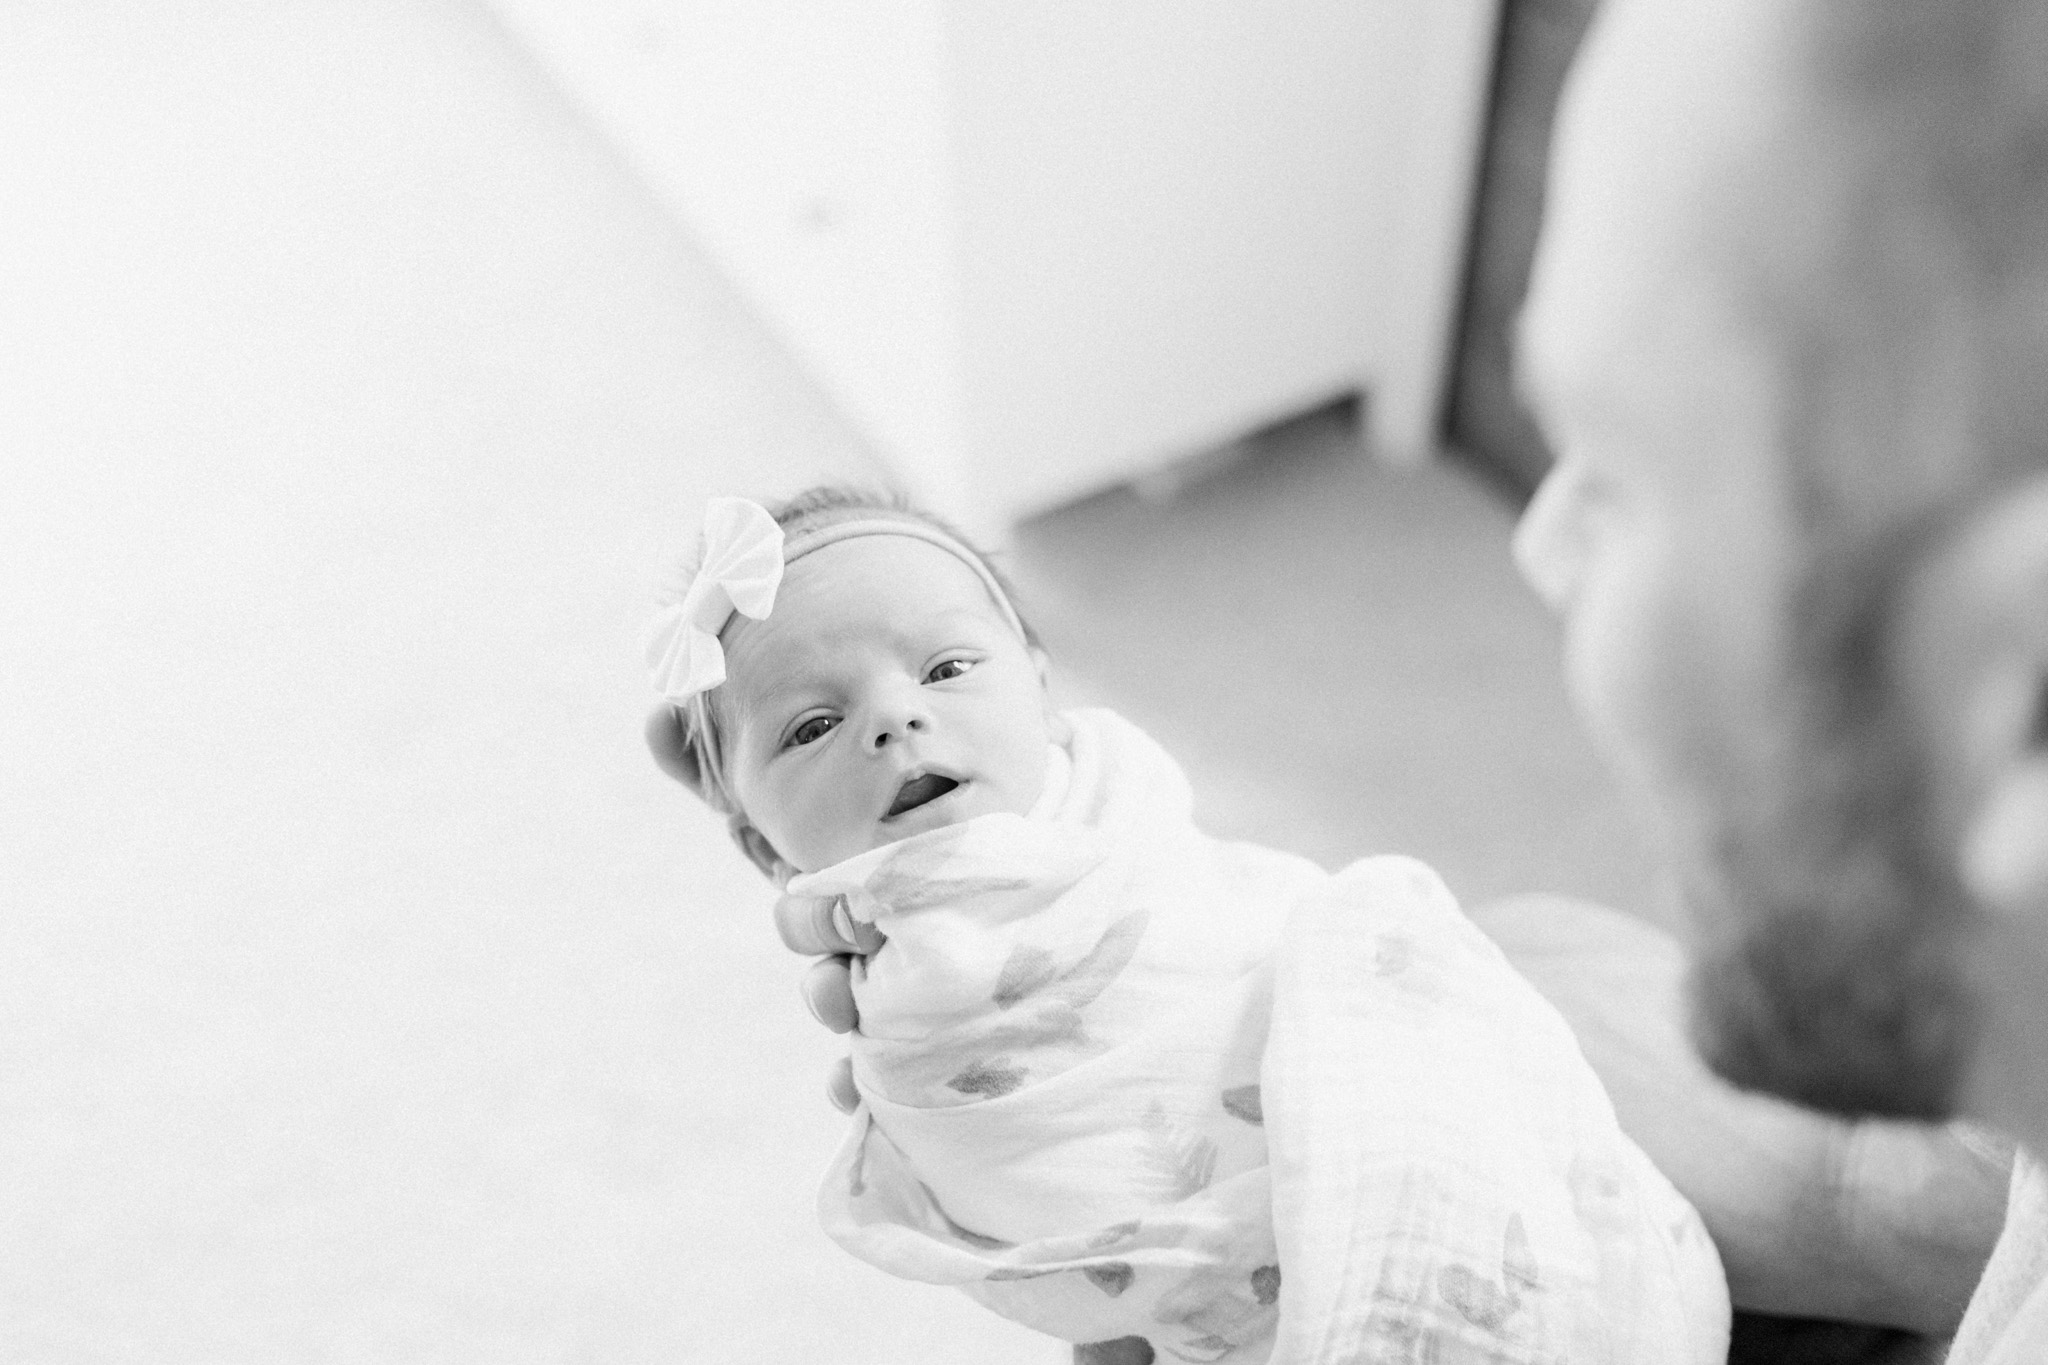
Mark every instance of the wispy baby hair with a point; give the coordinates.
(805, 519)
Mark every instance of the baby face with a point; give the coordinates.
(885, 695)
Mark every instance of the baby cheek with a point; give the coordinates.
(787, 814)
(833, 824)
(1028, 783)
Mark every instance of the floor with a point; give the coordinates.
(1341, 654)
(365, 995)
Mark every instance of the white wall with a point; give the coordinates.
(366, 996)
(1172, 227)
(1036, 249)
(1432, 148)
(803, 145)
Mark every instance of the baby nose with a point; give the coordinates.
(895, 718)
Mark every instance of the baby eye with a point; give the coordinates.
(948, 668)
(812, 730)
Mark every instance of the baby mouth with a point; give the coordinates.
(918, 791)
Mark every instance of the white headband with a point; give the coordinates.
(743, 558)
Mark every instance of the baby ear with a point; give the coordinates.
(668, 739)
(759, 851)
(1056, 722)
(1972, 642)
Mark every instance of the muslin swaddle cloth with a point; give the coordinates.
(1123, 1079)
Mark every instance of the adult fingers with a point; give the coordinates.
(839, 1086)
(808, 926)
(812, 925)
(828, 994)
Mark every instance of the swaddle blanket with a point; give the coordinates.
(1122, 1079)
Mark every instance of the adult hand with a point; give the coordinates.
(806, 925)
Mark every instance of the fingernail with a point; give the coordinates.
(843, 922)
(803, 990)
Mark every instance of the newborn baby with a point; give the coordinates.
(1121, 1078)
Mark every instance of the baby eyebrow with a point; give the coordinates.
(799, 707)
(777, 708)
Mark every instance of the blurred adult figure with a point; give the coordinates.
(1788, 330)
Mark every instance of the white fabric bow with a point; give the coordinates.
(740, 571)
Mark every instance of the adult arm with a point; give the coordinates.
(1814, 1216)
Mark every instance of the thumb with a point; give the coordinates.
(815, 925)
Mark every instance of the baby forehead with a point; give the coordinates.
(883, 578)
(871, 589)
